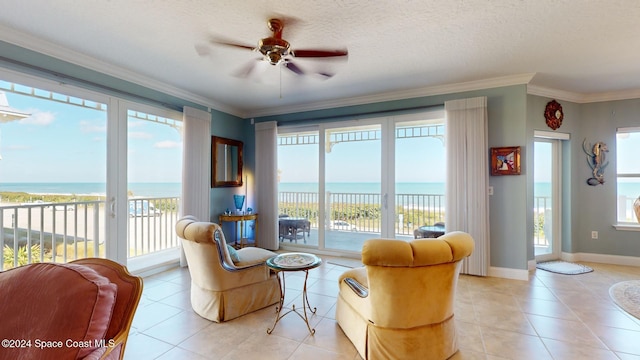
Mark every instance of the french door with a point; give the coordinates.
(547, 198)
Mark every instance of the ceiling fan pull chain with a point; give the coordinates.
(280, 71)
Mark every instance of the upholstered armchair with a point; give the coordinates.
(79, 310)
(225, 283)
(400, 304)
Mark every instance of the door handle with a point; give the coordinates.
(112, 207)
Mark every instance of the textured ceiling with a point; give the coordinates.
(586, 48)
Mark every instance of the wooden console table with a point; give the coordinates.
(239, 220)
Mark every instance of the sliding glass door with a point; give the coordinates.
(352, 186)
(345, 182)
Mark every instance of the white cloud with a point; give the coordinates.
(168, 144)
(39, 118)
(92, 127)
(139, 135)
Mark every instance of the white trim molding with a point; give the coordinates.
(602, 258)
(508, 273)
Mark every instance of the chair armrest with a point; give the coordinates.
(357, 288)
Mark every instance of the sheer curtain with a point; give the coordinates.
(267, 184)
(196, 163)
(467, 201)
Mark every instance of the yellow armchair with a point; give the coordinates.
(400, 304)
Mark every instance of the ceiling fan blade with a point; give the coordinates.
(202, 50)
(319, 53)
(293, 67)
(246, 70)
(224, 42)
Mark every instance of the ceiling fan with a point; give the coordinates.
(277, 51)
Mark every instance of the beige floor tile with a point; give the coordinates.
(512, 345)
(564, 350)
(574, 332)
(178, 328)
(180, 354)
(509, 320)
(619, 340)
(554, 309)
(263, 346)
(550, 316)
(329, 336)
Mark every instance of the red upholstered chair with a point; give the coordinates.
(79, 310)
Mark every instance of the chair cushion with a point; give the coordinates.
(233, 254)
(67, 305)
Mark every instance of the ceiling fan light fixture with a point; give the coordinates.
(274, 57)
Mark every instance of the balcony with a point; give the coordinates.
(362, 214)
(65, 231)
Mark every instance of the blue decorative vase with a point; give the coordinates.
(239, 201)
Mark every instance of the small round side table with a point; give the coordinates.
(293, 262)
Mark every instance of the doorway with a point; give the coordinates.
(547, 198)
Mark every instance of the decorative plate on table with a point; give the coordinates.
(294, 260)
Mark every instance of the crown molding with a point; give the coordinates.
(582, 98)
(32, 43)
(519, 79)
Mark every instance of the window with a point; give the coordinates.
(68, 157)
(628, 174)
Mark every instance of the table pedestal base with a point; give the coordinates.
(305, 304)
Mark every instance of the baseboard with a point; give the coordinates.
(531, 264)
(602, 258)
(507, 273)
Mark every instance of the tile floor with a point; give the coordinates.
(549, 317)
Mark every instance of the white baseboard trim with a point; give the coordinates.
(507, 273)
(531, 264)
(602, 258)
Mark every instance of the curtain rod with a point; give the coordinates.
(72, 80)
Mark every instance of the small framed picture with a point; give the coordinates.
(505, 160)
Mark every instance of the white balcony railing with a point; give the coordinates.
(61, 232)
(364, 209)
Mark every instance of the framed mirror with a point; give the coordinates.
(226, 162)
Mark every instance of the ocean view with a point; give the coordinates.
(98, 189)
(631, 190)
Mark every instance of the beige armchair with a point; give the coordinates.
(400, 304)
(222, 287)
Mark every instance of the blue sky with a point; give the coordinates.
(417, 160)
(66, 143)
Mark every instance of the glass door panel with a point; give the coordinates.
(154, 180)
(353, 197)
(419, 177)
(52, 175)
(298, 186)
(545, 204)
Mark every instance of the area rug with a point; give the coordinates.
(563, 267)
(626, 294)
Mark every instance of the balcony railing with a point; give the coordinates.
(61, 232)
(541, 221)
(364, 209)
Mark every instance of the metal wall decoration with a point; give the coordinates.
(553, 114)
(596, 160)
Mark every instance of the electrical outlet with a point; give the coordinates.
(490, 190)
(594, 234)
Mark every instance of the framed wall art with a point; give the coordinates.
(505, 160)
